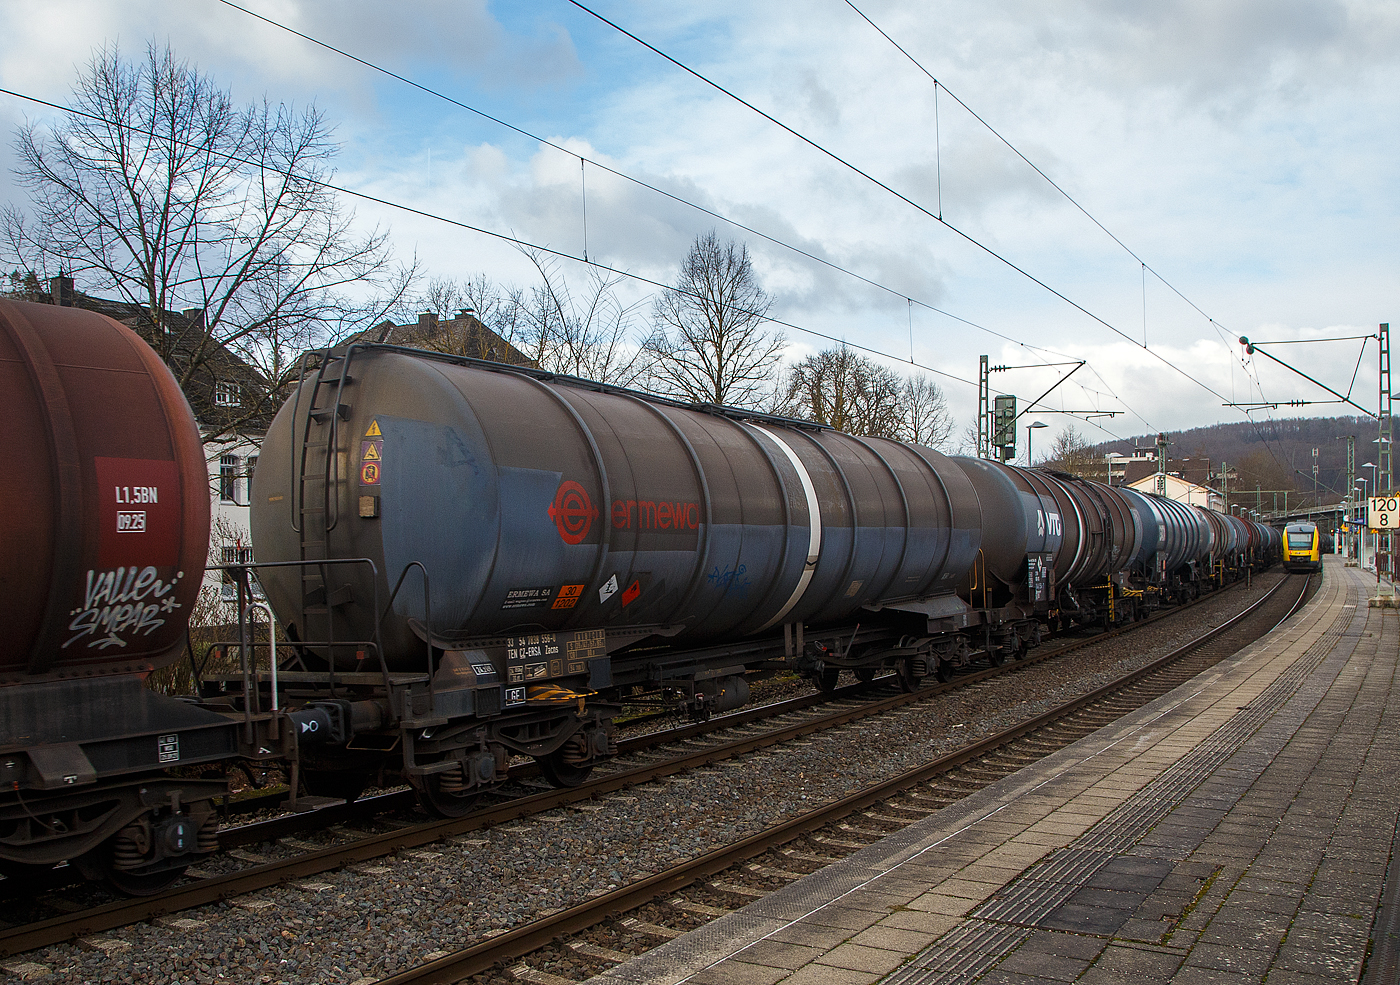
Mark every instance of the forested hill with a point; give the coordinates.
(1274, 454)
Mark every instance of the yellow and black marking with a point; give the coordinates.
(556, 694)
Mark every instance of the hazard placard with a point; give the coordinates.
(371, 454)
(374, 431)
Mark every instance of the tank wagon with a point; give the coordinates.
(101, 555)
(472, 562)
(480, 561)
(1097, 554)
(539, 547)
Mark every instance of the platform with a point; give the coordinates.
(1235, 830)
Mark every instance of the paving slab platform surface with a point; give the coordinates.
(1235, 830)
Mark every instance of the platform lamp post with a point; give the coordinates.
(1366, 487)
(1030, 429)
(1359, 538)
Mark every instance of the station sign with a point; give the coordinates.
(1383, 512)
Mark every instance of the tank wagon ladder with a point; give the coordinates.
(316, 471)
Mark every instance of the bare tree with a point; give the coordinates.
(210, 220)
(1071, 452)
(583, 334)
(445, 297)
(851, 392)
(708, 342)
(967, 441)
(927, 419)
(844, 389)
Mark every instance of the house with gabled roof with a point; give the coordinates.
(462, 335)
(1182, 491)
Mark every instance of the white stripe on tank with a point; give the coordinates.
(814, 535)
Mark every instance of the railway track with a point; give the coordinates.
(843, 706)
(902, 799)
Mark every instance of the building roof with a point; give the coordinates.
(464, 335)
(1195, 470)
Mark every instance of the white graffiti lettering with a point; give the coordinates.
(122, 601)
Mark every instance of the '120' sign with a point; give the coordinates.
(1384, 513)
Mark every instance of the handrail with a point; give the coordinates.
(378, 643)
(427, 615)
(298, 493)
(271, 643)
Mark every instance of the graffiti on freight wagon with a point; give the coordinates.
(120, 604)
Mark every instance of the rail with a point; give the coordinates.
(220, 888)
(486, 954)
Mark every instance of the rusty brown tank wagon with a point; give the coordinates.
(102, 552)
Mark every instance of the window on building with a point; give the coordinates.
(252, 467)
(228, 478)
(226, 395)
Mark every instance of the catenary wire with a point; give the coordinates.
(639, 182)
(938, 84)
(796, 249)
(899, 195)
(1146, 267)
(504, 237)
(655, 189)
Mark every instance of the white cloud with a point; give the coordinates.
(1243, 148)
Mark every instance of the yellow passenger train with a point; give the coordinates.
(1302, 547)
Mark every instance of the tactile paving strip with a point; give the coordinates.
(996, 927)
(972, 948)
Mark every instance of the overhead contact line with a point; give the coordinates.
(969, 238)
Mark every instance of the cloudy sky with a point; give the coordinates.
(1244, 150)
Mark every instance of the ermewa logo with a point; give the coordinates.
(572, 512)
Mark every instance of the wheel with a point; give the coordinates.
(826, 680)
(865, 674)
(909, 680)
(996, 656)
(346, 785)
(561, 774)
(444, 803)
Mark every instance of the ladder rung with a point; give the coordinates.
(322, 414)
